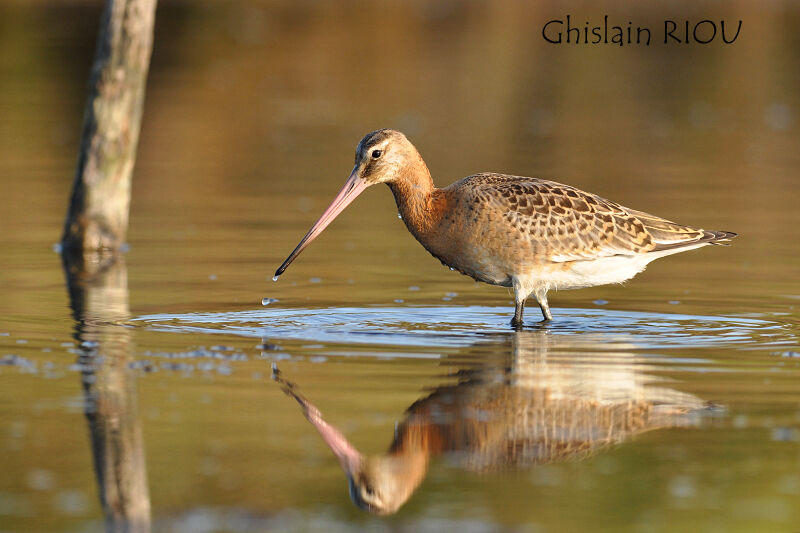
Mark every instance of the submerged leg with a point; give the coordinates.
(516, 322)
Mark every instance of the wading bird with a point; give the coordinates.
(529, 234)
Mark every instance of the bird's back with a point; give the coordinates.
(545, 221)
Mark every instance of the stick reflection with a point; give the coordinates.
(546, 403)
(98, 288)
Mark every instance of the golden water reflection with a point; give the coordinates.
(536, 407)
(98, 288)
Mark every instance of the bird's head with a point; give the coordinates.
(381, 157)
(383, 483)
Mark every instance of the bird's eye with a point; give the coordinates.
(369, 489)
(376, 154)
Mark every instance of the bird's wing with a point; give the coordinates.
(669, 235)
(569, 224)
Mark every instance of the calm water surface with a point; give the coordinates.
(669, 404)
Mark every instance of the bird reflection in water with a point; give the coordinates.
(558, 398)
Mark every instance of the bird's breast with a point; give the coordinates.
(465, 238)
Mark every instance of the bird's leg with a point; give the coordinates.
(516, 322)
(541, 297)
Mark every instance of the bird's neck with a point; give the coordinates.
(415, 442)
(414, 192)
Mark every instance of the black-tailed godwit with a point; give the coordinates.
(529, 234)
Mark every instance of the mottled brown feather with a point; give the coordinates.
(568, 224)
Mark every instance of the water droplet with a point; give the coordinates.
(674, 302)
(212, 277)
(399, 301)
(682, 487)
(778, 117)
(40, 479)
(72, 502)
(399, 216)
(314, 280)
(267, 301)
(451, 268)
(785, 434)
(600, 302)
(413, 288)
(275, 278)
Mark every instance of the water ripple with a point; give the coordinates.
(454, 326)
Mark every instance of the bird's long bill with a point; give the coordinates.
(352, 188)
(349, 457)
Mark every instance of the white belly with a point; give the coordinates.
(581, 274)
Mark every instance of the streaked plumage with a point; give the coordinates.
(527, 233)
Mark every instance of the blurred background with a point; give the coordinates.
(254, 109)
(252, 114)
